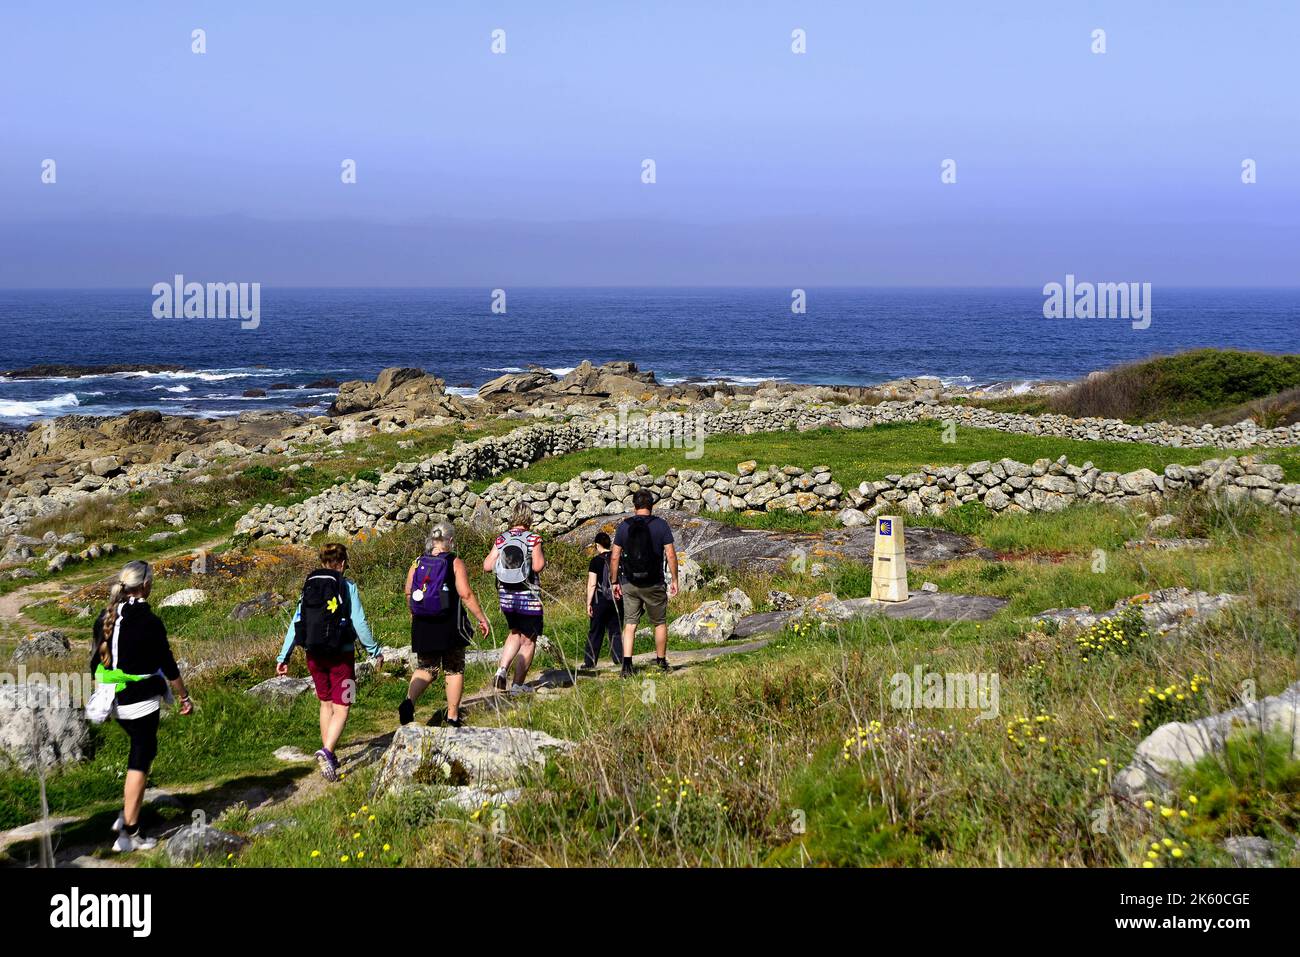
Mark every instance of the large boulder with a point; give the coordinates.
(40, 725)
(43, 644)
(713, 621)
(185, 598)
(422, 755)
(515, 383)
(1180, 744)
(612, 378)
(413, 392)
(282, 689)
(194, 842)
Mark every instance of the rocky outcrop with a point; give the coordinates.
(40, 724)
(1163, 611)
(827, 609)
(421, 755)
(43, 644)
(78, 459)
(194, 842)
(398, 395)
(717, 543)
(513, 384)
(280, 690)
(713, 621)
(1180, 744)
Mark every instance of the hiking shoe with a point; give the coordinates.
(406, 711)
(126, 843)
(628, 671)
(499, 683)
(118, 825)
(456, 722)
(521, 689)
(329, 766)
(662, 665)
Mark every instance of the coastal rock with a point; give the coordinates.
(407, 394)
(514, 383)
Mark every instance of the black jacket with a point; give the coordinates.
(142, 649)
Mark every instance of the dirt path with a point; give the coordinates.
(13, 621)
(88, 837)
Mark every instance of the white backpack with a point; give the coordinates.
(514, 565)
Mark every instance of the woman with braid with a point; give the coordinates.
(132, 654)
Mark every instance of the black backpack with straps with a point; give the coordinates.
(325, 621)
(643, 563)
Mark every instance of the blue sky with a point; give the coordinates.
(1127, 162)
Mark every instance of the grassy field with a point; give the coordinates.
(791, 755)
(855, 455)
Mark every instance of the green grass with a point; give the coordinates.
(742, 761)
(855, 455)
(1188, 386)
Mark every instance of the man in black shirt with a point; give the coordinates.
(643, 545)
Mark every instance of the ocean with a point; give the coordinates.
(846, 336)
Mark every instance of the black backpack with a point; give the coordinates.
(643, 562)
(604, 590)
(325, 622)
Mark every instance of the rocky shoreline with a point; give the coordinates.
(69, 461)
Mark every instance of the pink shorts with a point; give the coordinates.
(335, 677)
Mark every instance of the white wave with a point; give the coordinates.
(562, 370)
(745, 379)
(502, 369)
(463, 391)
(10, 409)
(209, 375)
(170, 388)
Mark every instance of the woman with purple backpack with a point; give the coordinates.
(438, 596)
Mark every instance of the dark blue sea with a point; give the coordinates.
(847, 336)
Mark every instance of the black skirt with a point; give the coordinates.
(440, 632)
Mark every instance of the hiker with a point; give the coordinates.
(604, 611)
(130, 652)
(643, 544)
(517, 561)
(438, 595)
(327, 622)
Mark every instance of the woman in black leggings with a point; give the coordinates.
(130, 644)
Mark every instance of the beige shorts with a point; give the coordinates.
(652, 599)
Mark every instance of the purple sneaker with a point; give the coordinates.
(328, 764)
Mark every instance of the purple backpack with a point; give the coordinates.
(430, 590)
